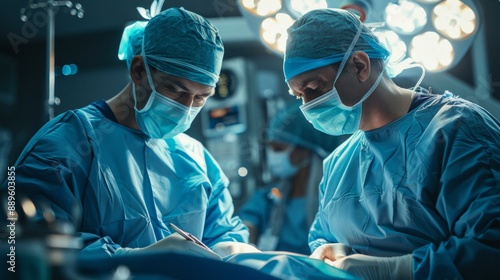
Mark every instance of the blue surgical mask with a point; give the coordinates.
(162, 117)
(279, 163)
(328, 114)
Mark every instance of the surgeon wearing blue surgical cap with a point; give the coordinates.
(414, 193)
(126, 164)
(279, 214)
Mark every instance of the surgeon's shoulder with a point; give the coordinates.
(459, 115)
(76, 117)
(65, 129)
(69, 123)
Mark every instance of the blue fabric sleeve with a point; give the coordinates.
(53, 172)
(220, 224)
(319, 233)
(462, 158)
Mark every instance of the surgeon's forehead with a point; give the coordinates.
(184, 84)
(321, 74)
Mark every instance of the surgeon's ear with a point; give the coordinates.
(137, 69)
(361, 62)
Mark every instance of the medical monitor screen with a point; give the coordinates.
(224, 117)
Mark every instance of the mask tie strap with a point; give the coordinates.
(144, 59)
(372, 89)
(150, 81)
(348, 52)
(134, 93)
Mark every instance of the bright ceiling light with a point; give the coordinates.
(261, 7)
(300, 7)
(434, 33)
(429, 1)
(433, 51)
(454, 19)
(393, 43)
(405, 17)
(273, 31)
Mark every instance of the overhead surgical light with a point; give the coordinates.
(433, 51)
(406, 17)
(436, 33)
(429, 1)
(262, 8)
(273, 31)
(454, 19)
(393, 43)
(300, 7)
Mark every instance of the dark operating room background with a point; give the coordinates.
(91, 44)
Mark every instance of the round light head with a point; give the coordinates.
(393, 43)
(429, 1)
(261, 8)
(300, 7)
(273, 31)
(405, 17)
(433, 51)
(454, 19)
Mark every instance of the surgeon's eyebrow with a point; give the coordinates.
(175, 84)
(169, 81)
(316, 81)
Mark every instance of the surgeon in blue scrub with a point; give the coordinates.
(414, 193)
(126, 164)
(279, 215)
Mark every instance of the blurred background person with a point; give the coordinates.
(278, 215)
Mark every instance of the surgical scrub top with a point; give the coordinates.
(426, 184)
(127, 186)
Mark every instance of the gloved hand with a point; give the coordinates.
(172, 243)
(226, 248)
(368, 267)
(331, 252)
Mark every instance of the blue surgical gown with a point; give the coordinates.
(128, 187)
(426, 184)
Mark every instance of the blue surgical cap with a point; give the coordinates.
(322, 37)
(177, 42)
(290, 127)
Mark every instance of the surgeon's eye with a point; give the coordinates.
(311, 93)
(315, 90)
(172, 91)
(200, 99)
